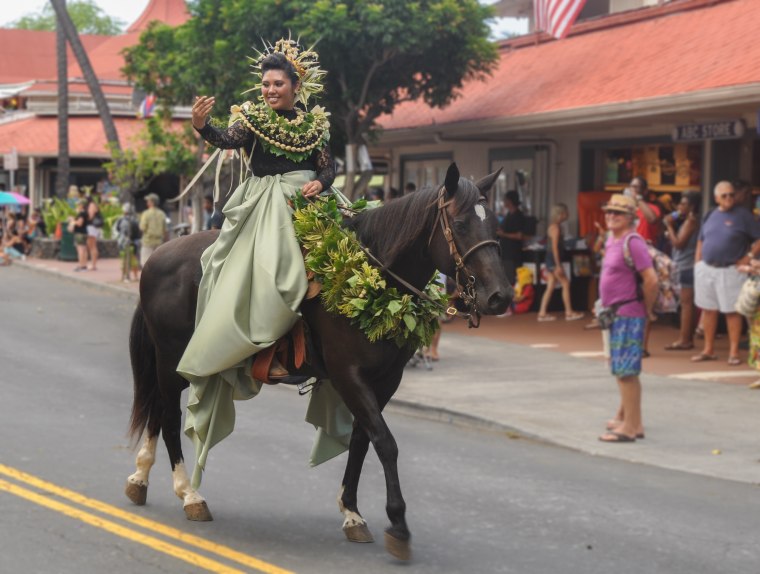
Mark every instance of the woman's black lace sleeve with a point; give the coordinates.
(325, 167)
(234, 137)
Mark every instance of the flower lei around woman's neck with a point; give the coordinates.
(354, 288)
(294, 139)
(309, 130)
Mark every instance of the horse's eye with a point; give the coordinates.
(460, 226)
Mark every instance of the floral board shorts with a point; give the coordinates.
(626, 345)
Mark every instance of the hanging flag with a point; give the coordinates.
(147, 106)
(555, 17)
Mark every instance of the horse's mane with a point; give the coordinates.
(391, 229)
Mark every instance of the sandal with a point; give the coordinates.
(544, 318)
(678, 346)
(734, 361)
(702, 357)
(613, 436)
(574, 316)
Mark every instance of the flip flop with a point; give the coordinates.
(679, 347)
(734, 361)
(543, 319)
(613, 436)
(574, 317)
(701, 358)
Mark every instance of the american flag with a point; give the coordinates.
(556, 16)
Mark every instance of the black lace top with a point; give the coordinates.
(264, 163)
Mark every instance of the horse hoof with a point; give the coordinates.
(137, 493)
(358, 533)
(399, 549)
(198, 511)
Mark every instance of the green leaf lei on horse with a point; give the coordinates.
(356, 289)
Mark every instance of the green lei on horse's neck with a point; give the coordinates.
(354, 288)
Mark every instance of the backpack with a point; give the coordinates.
(668, 290)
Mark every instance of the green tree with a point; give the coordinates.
(377, 54)
(87, 17)
(157, 148)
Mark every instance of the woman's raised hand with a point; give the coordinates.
(201, 110)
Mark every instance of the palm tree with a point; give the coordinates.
(62, 177)
(72, 36)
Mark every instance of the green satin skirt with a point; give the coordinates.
(253, 284)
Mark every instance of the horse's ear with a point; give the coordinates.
(487, 182)
(452, 180)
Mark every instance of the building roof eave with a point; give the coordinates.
(726, 97)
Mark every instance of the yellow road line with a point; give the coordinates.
(113, 528)
(190, 539)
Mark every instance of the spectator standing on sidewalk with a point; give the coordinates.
(510, 232)
(555, 254)
(80, 235)
(128, 239)
(683, 229)
(728, 239)
(153, 228)
(618, 288)
(94, 232)
(648, 212)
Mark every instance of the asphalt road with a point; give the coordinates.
(476, 501)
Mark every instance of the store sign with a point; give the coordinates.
(10, 160)
(726, 130)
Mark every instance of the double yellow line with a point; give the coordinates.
(178, 552)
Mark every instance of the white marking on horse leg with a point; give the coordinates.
(480, 211)
(146, 456)
(182, 486)
(350, 518)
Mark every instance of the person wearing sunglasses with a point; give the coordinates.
(729, 238)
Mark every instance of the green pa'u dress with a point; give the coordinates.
(252, 286)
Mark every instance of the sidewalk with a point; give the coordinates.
(549, 381)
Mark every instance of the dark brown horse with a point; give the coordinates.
(407, 237)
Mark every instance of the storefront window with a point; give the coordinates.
(424, 171)
(667, 167)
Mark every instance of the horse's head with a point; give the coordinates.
(471, 252)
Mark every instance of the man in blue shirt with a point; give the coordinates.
(728, 238)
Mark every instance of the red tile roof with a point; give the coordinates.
(171, 12)
(30, 55)
(711, 46)
(38, 136)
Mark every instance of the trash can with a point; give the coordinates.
(68, 250)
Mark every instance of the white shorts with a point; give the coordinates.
(717, 288)
(95, 232)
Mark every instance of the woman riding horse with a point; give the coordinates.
(253, 274)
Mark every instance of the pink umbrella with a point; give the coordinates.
(22, 199)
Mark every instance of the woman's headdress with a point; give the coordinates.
(305, 62)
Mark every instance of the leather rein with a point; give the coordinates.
(467, 290)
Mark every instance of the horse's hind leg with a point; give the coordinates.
(354, 526)
(137, 483)
(171, 421)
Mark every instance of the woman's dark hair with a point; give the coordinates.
(278, 61)
(644, 183)
(695, 201)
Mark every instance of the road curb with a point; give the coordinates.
(66, 276)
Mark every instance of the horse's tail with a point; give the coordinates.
(146, 405)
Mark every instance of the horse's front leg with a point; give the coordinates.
(354, 526)
(362, 402)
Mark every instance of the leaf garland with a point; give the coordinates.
(354, 288)
(294, 139)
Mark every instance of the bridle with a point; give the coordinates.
(467, 290)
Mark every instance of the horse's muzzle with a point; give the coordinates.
(499, 300)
